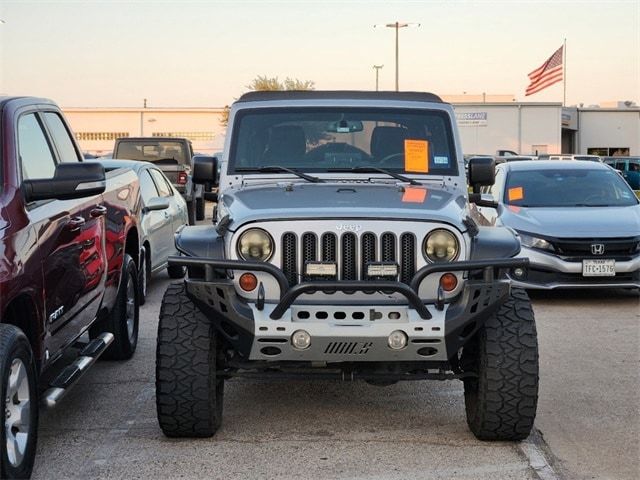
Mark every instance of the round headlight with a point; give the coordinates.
(255, 244)
(441, 246)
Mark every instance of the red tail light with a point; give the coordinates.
(182, 178)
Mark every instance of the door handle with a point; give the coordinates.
(75, 223)
(98, 211)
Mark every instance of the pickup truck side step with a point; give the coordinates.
(61, 384)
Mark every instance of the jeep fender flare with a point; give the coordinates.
(494, 242)
(200, 241)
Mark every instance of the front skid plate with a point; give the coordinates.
(256, 336)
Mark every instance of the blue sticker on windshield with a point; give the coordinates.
(441, 160)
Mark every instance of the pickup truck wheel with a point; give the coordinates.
(501, 402)
(19, 417)
(189, 394)
(124, 318)
(200, 209)
(191, 212)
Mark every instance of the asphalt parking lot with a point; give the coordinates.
(587, 426)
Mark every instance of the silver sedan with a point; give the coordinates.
(162, 212)
(579, 223)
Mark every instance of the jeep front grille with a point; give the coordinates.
(351, 251)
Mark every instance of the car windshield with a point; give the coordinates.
(152, 151)
(331, 139)
(567, 188)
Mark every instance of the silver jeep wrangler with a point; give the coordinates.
(342, 248)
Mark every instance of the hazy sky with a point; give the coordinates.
(203, 53)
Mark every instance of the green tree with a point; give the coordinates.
(263, 83)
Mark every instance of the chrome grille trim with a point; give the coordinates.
(350, 251)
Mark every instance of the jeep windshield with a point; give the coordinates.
(152, 151)
(334, 139)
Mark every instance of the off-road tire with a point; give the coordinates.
(176, 271)
(191, 211)
(125, 341)
(501, 403)
(189, 394)
(15, 346)
(200, 209)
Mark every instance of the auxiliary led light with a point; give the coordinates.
(300, 340)
(397, 340)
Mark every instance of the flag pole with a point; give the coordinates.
(564, 76)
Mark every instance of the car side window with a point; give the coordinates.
(36, 156)
(61, 138)
(620, 166)
(147, 187)
(161, 184)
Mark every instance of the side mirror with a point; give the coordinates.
(70, 180)
(483, 200)
(156, 203)
(482, 172)
(205, 169)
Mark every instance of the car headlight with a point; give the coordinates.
(441, 246)
(535, 242)
(255, 244)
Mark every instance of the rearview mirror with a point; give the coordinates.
(482, 172)
(156, 203)
(70, 180)
(345, 126)
(205, 169)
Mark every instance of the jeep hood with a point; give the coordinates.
(576, 222)
(344, 200)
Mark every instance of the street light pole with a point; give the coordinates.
(398, 26)
(377, 69)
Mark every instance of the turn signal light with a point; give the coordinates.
(448, 282)
(248, 282)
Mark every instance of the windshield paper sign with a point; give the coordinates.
(471, 119)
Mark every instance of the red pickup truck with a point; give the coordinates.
(69, 250)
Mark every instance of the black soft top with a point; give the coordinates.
(338, 95)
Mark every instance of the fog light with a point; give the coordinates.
(397, 340)
(449, 282)
(248, 282)
(518, 272)
(300, 340)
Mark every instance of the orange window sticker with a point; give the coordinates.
(516, 193)
(414, 195)
(416, 156)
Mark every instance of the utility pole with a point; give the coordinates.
(398, 26)
(377, 69)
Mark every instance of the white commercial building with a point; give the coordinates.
(525, 128)
(486, 124)
(97, 128)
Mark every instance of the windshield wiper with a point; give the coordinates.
(593, 205)
(278, 168)
(397, 176)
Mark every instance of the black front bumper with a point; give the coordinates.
(213, 291)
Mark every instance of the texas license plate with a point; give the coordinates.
(598, 268)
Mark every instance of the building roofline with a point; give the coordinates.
(148, 109)
(506, 104)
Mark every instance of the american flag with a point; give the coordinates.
(547, 74)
